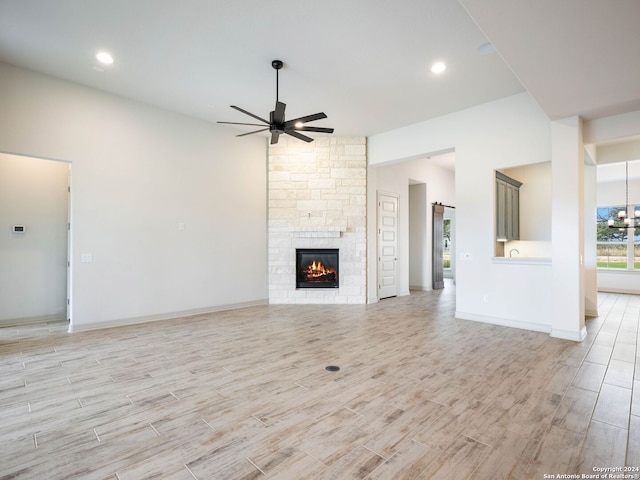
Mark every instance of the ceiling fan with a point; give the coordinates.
(277, 124)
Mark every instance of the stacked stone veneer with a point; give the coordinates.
(317, 199)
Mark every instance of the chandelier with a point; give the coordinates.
(621, 221)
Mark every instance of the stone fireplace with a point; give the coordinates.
(317, 200)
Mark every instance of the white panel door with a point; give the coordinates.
(387, 245)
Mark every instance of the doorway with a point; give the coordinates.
(34, 239)
(442, 219)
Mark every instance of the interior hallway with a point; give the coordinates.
(244, 395)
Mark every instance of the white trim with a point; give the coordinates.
(570, 335)
(616, 280)
(11, 322)
(626, 291)
(625, 271)
(420, 288)
(521, 261)
(504, 322)
(73, 328)
(536, 327)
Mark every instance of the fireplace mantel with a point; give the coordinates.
(312, 232)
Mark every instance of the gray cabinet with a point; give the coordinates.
(507, 208)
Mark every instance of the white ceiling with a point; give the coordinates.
(365, 63)
(575, 57)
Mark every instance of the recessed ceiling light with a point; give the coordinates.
(438, 67)
(104, 57)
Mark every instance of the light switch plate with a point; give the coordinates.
(86, 258)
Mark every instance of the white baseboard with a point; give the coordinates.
(570, 335)
(504, 322)
(10, 322)
(536, 327)
(619, 290)
(400, 294)
(419, 288)
(74, 328)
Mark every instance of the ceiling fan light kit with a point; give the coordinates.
(277, 125)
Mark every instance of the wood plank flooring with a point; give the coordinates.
(245, 395)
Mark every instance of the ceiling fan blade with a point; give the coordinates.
(236, 123)
(278, 113)
(299, 136)
(274, 137)
(308, 118)
(255, 131)
(250, 114)
(314, 129)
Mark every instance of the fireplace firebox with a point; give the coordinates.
(317, 268)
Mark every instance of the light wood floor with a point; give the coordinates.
(245, 395)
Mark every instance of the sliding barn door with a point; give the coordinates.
(437, 272)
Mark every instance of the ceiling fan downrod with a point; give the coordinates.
(277, 64)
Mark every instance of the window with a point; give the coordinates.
(617, 247)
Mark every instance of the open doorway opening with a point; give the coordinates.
(418, 182)
(34, 240)
(419, 259)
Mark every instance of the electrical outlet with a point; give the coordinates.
(486, 298)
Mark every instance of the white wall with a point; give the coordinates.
(590, 236)
(506, 133)
(138, 174)
(613, 193)
(440, 187)
(33, 264)
(567, 223)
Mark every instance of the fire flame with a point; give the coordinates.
(317, 269)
